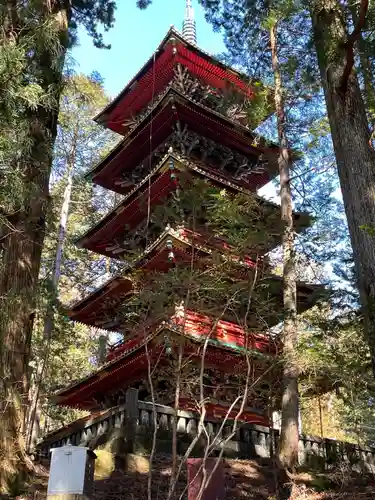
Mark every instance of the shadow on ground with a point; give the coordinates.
(244, 479)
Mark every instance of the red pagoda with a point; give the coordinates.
(177, 133)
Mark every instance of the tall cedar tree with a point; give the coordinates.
(350, 131)
(24, 24)
(289, 436)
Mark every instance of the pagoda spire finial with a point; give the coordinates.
(189, 30)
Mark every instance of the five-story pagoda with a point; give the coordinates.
(194, 310)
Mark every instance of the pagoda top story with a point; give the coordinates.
(158, 72)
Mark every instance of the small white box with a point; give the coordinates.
(71, 471)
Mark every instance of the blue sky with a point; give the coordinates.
(134, 38)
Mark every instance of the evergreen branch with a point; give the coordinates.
(353, 37)
(312, 169)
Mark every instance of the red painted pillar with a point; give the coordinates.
(215, 489)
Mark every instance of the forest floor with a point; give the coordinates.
(244, 479)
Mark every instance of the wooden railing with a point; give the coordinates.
(249, 441)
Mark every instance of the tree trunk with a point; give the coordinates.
(21, 256)
(63, 222)
(355, 156)
(289, 436)
(32, 431)
(366, 71)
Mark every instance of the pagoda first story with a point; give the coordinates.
(197, 299)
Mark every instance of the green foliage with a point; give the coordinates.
(261, 105)
(80, 141)
(368, 229)
(68, 361)
(72, 348)
(245, 221)
(33, 45)
(336, 366)
(90, 14)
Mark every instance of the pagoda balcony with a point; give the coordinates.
(93, 430)
(203, 328)
(130, 427)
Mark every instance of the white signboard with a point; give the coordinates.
(68, 470)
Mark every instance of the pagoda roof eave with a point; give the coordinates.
(122, 285)
(173, 97)
(307, 294)
(190, 164)
(56, 397)
(106, 369)
(108, 222)
(119, 282)
(101, 117)
(114, 283)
